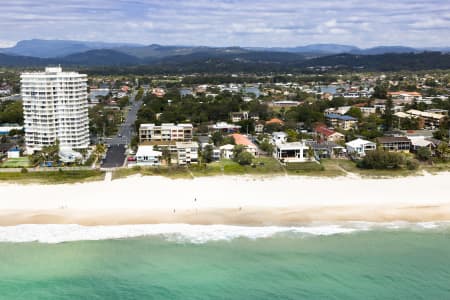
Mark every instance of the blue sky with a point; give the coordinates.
(364, 23)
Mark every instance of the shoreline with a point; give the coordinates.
(228, 200)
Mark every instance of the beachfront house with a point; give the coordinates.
(243, 140)
(418, 142)
(394, 143)
(187, 153)
(147, 156)
(226, 151)
(359, 147)
(291, 152)
(327, 149)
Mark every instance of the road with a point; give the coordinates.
(115, 156)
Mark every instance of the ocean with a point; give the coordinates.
(317, 261)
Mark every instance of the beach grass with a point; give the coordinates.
(351, 168)
(260, 166)
(52, 177)
(436, 167)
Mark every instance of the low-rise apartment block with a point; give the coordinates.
(187, 153)
(165, 132)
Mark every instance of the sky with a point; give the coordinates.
(256, 23)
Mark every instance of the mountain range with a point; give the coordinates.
(37, 53)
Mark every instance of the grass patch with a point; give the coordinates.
(435, 167)
(22, 162)
(53, 177)
(261, 166)
(173, 172)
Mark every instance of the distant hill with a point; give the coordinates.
(57, 48)
(103, 57)
(384, 62)
(235, 59)
(61, 48)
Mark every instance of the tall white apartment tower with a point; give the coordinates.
(55, 107)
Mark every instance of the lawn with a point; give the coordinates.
(53, 177)
(22, 162)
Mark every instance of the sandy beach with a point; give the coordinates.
(228, 200)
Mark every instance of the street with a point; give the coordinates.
(116, 154)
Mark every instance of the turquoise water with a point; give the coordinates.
(380, 264)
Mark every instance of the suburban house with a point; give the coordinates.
(159, 92)
(165, 132)
(226, 151)
(275, 121)
(404, 97)
(279, 137)
(291, 152)
(239, 116)
(341, 121)
(259, 128)
(187, 153)
(328, 135)
(240, 139)
(6, 128)
(418, 142)
(360, 147)
(13, 152)
(224, 128)
(394, 143)
(146, 156)
(284, 103)
(326, 149)
(339, 111)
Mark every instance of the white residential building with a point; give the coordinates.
(360, 146)
(146, 156)
(279, 137)
(226, 151)
(292, 152)
(55, 105)
(165, 132)
(187, 153)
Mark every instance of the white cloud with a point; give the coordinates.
(221, 22)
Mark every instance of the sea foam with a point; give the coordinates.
(192, 233)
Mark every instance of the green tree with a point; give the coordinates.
(388, 116)
(293, 136)
(267, 147)
(207, 154)
(423, 154)
(244, 158)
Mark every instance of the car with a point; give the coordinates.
(131, 158)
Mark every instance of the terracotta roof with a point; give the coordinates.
(240, 139)
(324, 130)
(416, 94)
(275, 121)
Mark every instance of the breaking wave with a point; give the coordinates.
(197, 234)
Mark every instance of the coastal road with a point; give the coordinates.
(115, 156)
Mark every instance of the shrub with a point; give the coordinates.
(244, 158)
(380, 159)
(24, 170)
(423, 154)
(412, 164)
